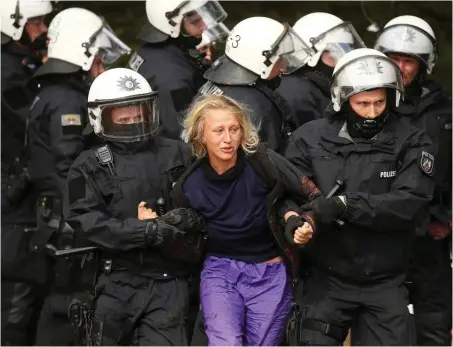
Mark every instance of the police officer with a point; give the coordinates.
(80, 44)
(22, 32)
(257, 51)
(359, 249)
(168, 57)
(142, 295)
(410, 42)
(307, 89)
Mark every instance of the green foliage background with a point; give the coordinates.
(127, 17)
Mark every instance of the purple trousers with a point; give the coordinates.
(245, 304)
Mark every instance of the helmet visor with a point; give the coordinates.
(130, 121)
(291, 49)
(406, 39)
(110, 47)
(204, 18)
(365, 73)
(338, 41)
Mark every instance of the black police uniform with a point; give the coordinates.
(20, 301)
(142, 295)
(57, 120)
(175, 69)
(307, 92)
(428, 107)
(358, 268)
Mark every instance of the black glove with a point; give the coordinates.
(170, 228)
(292, 224)
(326, 211)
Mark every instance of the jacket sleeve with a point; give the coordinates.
(297, 154)
(88, 213)
(406, 204)
(67, 121)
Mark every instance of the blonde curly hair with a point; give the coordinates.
(193, 124)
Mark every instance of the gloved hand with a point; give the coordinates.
(326, 211)
(292, 224)
(170, 228)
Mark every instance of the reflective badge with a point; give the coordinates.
(135, 62)
(70, 119)
(210, 88)
(427, 163)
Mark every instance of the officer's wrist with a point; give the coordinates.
(150, 232)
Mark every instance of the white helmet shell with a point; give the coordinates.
(412, 36)
(167, 15)
(361, 70)
(77, 35)
(128, 91)
(326, 32)
(257, 43)
(15, 13)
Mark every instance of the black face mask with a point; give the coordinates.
(324, 69)
(129, 130)
(360, 127)
(40, 43)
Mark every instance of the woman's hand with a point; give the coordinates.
(145, 213)
(303, 234)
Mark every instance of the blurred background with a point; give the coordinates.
(127, 17)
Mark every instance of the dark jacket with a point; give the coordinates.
(307, 93)
(284, 181)
(57, 119)
(16, 99)
(177, 76)
(388, 185)
(104, 208)
(431, 111)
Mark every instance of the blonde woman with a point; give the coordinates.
(238, 187)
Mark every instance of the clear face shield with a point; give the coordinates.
(204, 19)
(362, 74)
(409, 40)
(338, 41)
(110, 47)
(130, 121)
(292, 50)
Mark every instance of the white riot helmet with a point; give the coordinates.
(326, 32)
(14, 15)
(252, 49)
(166, 18)
(122, 106)
(76, 36)
(361, 70)
(412, 36)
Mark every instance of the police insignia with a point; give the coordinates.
(128, 83)
(427, 163)
(70, 119)
(135, 62)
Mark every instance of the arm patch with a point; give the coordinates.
(427, 163)
(71, 124)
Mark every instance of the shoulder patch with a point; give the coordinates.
(35, 100)
(427, 163)
(210, 88)
(135, 62)
(70, 119)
